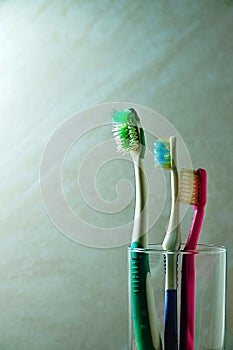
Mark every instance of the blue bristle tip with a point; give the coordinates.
(162, 156)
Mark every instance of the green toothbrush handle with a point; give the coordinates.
(139, 270)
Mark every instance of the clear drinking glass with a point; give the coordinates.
(208, 270)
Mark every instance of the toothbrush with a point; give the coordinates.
(192, 191)
(165, 158)
(129, 137)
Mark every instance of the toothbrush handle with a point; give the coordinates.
(170, 314)
(188, 284)
(195, 229)
(170, 303)
(139, 273)
(187, 303)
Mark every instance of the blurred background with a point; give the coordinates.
(57, 58)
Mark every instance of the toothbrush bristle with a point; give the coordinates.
(162, 154)
(125, 131)
(189, 189)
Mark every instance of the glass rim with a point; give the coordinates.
(156, 248)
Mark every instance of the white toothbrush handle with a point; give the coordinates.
(140, 216)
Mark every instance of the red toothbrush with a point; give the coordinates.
(193, 185)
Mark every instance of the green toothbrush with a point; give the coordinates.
(129, 137)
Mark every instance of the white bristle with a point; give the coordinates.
(189, 187)
(126, 137)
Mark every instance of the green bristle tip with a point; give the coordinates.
(122, 117)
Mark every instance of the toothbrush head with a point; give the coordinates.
(127, 132)
(162, 154)
(193, 187)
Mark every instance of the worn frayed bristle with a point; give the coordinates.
(162, 154)
(126, 136)
(189, 189)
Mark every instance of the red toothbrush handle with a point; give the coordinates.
(188, 284)
(187, 303)
(195, 229)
